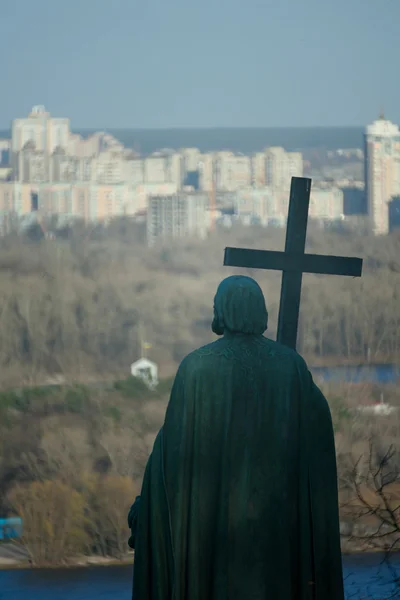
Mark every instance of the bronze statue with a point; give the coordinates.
(239, 498)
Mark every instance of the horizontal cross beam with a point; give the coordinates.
(300, 263)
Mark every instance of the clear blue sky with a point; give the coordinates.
(192, 63)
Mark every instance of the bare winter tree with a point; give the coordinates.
(372, 508)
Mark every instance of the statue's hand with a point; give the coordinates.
(132, 521)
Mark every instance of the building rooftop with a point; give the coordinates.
(383, 127)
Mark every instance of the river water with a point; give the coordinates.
(366, 578)
(372, 373)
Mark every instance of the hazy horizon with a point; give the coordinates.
(237, 139)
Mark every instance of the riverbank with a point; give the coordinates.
(78, 562)
(101, 561)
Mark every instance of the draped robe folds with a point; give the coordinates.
(239, 497)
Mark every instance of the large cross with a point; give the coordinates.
(293, 261)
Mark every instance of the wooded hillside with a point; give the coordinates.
(73, 307)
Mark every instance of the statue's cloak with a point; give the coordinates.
(239, 498)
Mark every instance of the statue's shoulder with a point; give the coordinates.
(199, 356)
(284, 353)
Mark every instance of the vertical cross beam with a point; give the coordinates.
(295, 243)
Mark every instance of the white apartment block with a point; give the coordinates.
(108, 167)
(32, 165)
(92, 145)
(133, 171)
(207, 175)
(326, 204)
(232, 171)
(191, 159)
(144, 191)
(281, 166)
(260, 204)
(174, 166)
(89, 201)
(176, 216)
(15, 197)
(39, 128)
(382, 171)
(155, 169)
(258, 165)
(70, 169)
(164, 168)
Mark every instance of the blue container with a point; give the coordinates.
(10, 529)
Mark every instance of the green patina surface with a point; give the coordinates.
(239, 498)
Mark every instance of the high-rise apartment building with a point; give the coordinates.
(326, 204)
(177, 216)
(70, 169)
(281, 166)
(133, 171)
(39, 128)
(164, 168)
(258, 161)
(259, 204)
(232, 171)
(207, 174)
(15, 197)
(191, 159)
(382, 171)
(155, 169)
(108, 167)
(92, 145)
(32, 165)
(144, 191)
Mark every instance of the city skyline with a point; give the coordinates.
(166, 65)
(48, 169)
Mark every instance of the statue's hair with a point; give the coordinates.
(239, 307)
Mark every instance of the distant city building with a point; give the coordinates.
(6, 173)
(346, 153)
(133, 171)
(257, 205)
(258, 166)
(145, 191)
(232, 172)
(177, 215)
(39, 128)
(164, 168)
(92, 145)
(326, 204)
(89, 201)
(191, 159)
(281, 166)
(32, 165)
(207, 175)
(70, 169)
(15, 197)
(108, 167)
(154, 169)
(382, 171)
(53, 171)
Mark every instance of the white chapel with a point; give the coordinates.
(145, 369)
